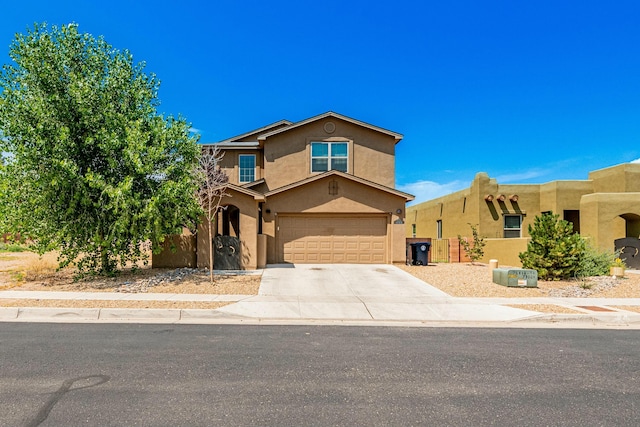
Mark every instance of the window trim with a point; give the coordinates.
(505, 229)
(240, 168)
(329, 156)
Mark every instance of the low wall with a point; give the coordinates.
(505, 251)
(183, 255)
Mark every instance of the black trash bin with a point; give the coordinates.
(420, 252)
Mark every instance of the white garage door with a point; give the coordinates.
(309, 239)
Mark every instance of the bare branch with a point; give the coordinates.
(212, 189)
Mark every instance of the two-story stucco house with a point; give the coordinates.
(316, 191)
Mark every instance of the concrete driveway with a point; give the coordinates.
(341, 280)
(354, 292)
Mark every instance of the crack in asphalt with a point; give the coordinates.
(66, 387)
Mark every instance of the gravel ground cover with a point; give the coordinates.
(28, 271)
(466, 280)
(476, 281)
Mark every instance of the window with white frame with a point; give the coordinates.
(247, 167)
(439, 229)
(512, 226)
(326, 156)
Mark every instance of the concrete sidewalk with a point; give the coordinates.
(343, 294)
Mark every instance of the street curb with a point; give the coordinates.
(209, 316)
(9, 313)
(43, 313)
(155, 314)
(609, 319)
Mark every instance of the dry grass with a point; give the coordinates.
(28, 271)
(18, 268)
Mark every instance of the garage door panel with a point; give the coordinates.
(332, 239)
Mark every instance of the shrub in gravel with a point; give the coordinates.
(594, 262)
(555, 250)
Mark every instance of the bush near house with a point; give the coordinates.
(555, 250)
(558, 253)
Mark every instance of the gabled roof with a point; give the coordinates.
(395, 135)
(264, 129)
(247, 191)
(241, 145)
(359, 180)
(253, 183)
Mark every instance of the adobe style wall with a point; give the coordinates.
(608, 204)
(600, 217)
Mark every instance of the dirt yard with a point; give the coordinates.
(466, 280)
(28, 271)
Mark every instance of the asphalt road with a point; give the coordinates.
(170, 375)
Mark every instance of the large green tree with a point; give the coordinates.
(91, 168)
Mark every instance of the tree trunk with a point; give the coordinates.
(210, 252)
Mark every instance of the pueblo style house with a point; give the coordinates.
(316, 191)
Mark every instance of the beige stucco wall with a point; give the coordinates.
(617, 179)
(288, 154)
(182, 255)
(558, 196)
(506, 251)
(248, 207)
(230, 161)
(601, 200)
(352, 198)
(600, 216)
(469, 206)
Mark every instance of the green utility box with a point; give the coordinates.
(515, 277)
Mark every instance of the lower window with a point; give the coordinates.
(512, 226)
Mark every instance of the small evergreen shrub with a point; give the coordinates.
(555, 250)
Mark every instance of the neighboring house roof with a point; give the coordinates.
(384, 188)
(395, 135)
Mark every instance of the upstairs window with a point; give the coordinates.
(247, 167)
(326, 156)
(512, 226)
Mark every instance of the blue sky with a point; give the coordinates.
(528, 92)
